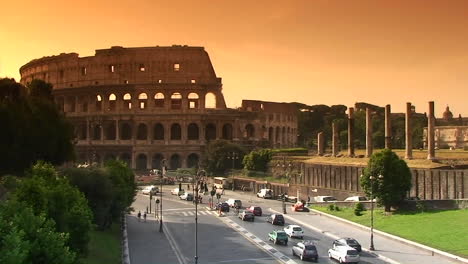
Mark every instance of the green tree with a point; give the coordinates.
(391, 178)
(257, 160)
(216, 156)
(40, 89)
(123, 181)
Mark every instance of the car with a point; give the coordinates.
(265, 193)
(320, 199)
(347, 241)
(356, 199)
(305, 250)
(256, 210)
(344, 254)
(177, 191)
(150, 189)
(276, 219)
(224, 207)
(299, 207)
(186, 196)
(247, 216)
(278, 236)
(233, 202)
(294, 231)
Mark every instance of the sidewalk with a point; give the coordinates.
(387, 248)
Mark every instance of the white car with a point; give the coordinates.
(321, 199)
(265, 193)
(356, 199)
(147, 189)
(177, 192)
(344, 254)
(233, 202)
(294, 231)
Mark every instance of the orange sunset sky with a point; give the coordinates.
(309, 51)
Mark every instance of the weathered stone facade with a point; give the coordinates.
(142, 105)
(449, 136)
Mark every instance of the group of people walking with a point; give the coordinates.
(139, 216)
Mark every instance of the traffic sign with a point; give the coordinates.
(157, 201)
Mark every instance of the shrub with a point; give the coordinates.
(337, 208)
(331, 207)
(358, 208)
(257, 160)
(420, 206)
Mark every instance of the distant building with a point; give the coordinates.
(450, 132)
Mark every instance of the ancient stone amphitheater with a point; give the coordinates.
(142, 105)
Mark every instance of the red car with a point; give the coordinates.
(256, 210)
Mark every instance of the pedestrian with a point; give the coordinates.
(188, 187)
(308, 199)
(139, 216)
(144, 216)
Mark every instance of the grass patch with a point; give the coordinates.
(104, 246)
(444, 230)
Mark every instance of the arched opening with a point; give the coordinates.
(112, 102)
(109, 157)
(156, 161)
(176, 101)
(175, 162)
(193, 102)
(142, 100)
(270, 135)
(192, 132)
(250, 131)
(127, 158)
(277, 135)
(283, 135)
(158, 133)
(96, 132)
(176, 132)
(126, 131)
(210, 100)
(110, 131)
(98, 103)
(142, 132)
(192, 160)
(210, 132)
(141, 162)
(127, 101)
(83, 131)
(264, 132)
(227, 131)
(159, 100)
(71, 102)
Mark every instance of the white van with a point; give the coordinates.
(265, 193)
(320, 199)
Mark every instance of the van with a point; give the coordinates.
(321, 199)
(265, 193)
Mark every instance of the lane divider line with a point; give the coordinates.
(174, 245)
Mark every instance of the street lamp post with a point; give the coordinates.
(163, 173)
(233, 156)
(372, 178)
(199, 179)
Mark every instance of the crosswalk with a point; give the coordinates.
(192, 213)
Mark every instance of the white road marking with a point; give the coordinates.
(185, 213)
(174, 245)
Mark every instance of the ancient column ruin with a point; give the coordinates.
(335, 150)
(430, 132)
(351, 132)
(369, 148)
(408, 133)
(320, 144)
(388, 127)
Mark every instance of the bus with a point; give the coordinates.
(222, 183)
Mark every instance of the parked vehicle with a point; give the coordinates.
(276, 219)
(299, 207)
(305, 250)
(247, 216)
(186, 196)
(356, 199)
(233, 202)
(223, 206)
(278, 236)
(177, 191)
(150, 189)
(294, 231)
(256, 210)
(346, 241)
(265, 193)
(320, 199)
(343, 254)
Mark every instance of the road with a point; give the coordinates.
(224, 239)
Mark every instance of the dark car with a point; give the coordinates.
(276, 219)
(247, 216)
(256, 210)
(278, 236)
(346, 241)
(223, 206)
(305, 250)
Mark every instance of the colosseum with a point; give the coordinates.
(143, 105)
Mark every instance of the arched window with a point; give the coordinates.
(96, 132)
(142, 100)
(98, 103)
(250, 131)
(264, 132)
(127, 101)
(270, 135)
(141, 162)
(159, 100)
(210, 132)
(176, 101)
(126, 131)
(192, 160)
(176, 132)
(83, 131)
(175, 162)
(278, 135)
(156, 161)
(142, 133)
(127, 158)
(227, 131)
(192, 132)
(193, 101)
(112, 102)
(158, 133)
(210, 100)
(283, 135)
(110, 131)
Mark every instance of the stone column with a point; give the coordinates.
(117, 130)
(133, 160)
(369, 147)
(430, 132)
(351, 132)
(320, 144)
(408, 133)
(335, 138)
(148, 160)
(388, 127)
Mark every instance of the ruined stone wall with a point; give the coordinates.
(449, 136)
